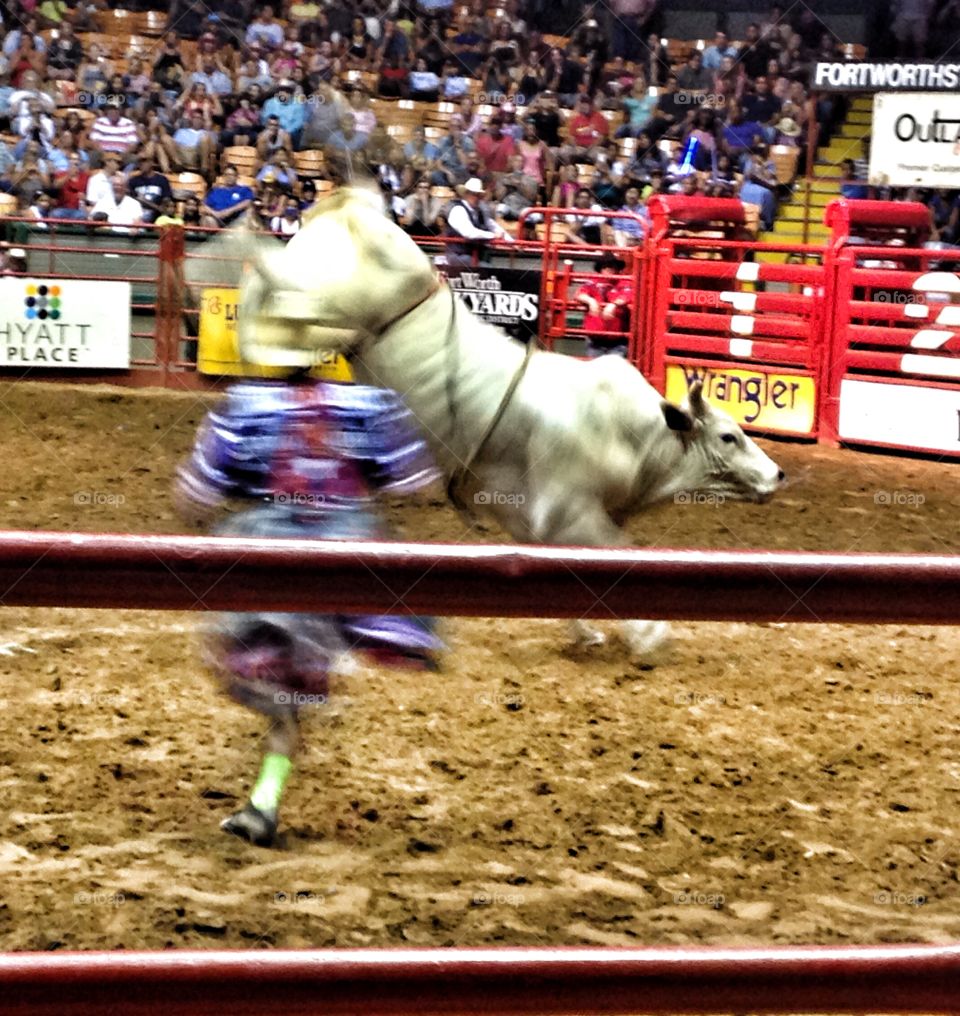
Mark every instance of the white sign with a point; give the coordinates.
(916, 140)
(907, 416)
(862, 76)
(64, 323)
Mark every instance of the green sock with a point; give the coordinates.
(269, 789)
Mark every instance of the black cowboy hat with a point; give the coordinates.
(608, 261)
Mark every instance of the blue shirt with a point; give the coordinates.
(292, 115)
(222, 198)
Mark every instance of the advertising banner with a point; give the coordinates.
(64, 323)
(508, 297)
(759, 398)
(916, 140)
(892, 76)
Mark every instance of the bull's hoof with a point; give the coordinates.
(649, 642)
(252, 825)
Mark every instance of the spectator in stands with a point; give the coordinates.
(364, 118)
(168, 214)
(64, 55)
(242, 126)
(287, 220)
(759, 185)
(214, 76)
(627, 231)
(42, 208)
(326, 112)
(421, 211)
(760, 105)
(607, 299)
(424, 85)
(113, 132)
(655, 61)
(393, 43)
(170, 56)
(755, 53)
(27, 27)
(279, 171)
(638, 108)
(360, 47)
(346, 138)
(34, 125)
(850, 186)
(156, 142)
(31, 174)
(226, 202)
(470, 47)
(693, 76)
(739, 135)
(195, 145)
(71, 189)
(713, 55)
(27, 58)
(586, 129)
(290, 112)
(392, 82)
(563, 76)
(186, 17)
(530, 80)
(670, 111)
(515, 191)
(722, 182)
(265, 29)
(191, 211)
(98, 183)
(419, 147)
(150, 188)
(585, 229)
(536, 159)
(308, 196)
(494, 147)
(453, 153)
(119, 209)
(196, 99)
(470, 223)
(565, 189)
(787, 129)
(253, 72)
(545, 117)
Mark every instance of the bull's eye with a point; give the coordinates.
(729, 438)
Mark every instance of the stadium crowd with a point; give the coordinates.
(226, 110)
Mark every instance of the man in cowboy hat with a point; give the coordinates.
(607, 299)
(471, 222)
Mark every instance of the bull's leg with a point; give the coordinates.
(257, 820)
(583, 522)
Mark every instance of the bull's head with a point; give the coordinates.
(720, 458)
(338, 281)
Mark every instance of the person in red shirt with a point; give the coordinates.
(607, 299)
(586, 129)
(495, 148)
(71, 189)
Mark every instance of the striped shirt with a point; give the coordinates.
(113, 137)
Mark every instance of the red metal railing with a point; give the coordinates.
(188, 573)
(495, 982)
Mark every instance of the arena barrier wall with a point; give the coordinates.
(852, 342)
(189, 572)
(497, 982)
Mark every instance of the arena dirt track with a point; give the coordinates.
(770, 784)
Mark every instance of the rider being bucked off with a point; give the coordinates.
(309, 455)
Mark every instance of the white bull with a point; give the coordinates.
(576, 449)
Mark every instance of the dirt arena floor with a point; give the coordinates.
(769, 784)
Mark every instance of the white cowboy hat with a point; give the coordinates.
(789, 127)
(474, 186)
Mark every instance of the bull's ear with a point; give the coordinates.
(698, 405)
(677, 419)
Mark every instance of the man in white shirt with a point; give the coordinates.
(120, 210)
(470, 220)
(99, 186)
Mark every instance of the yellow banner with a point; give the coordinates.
(754, 398)
(218, 352)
